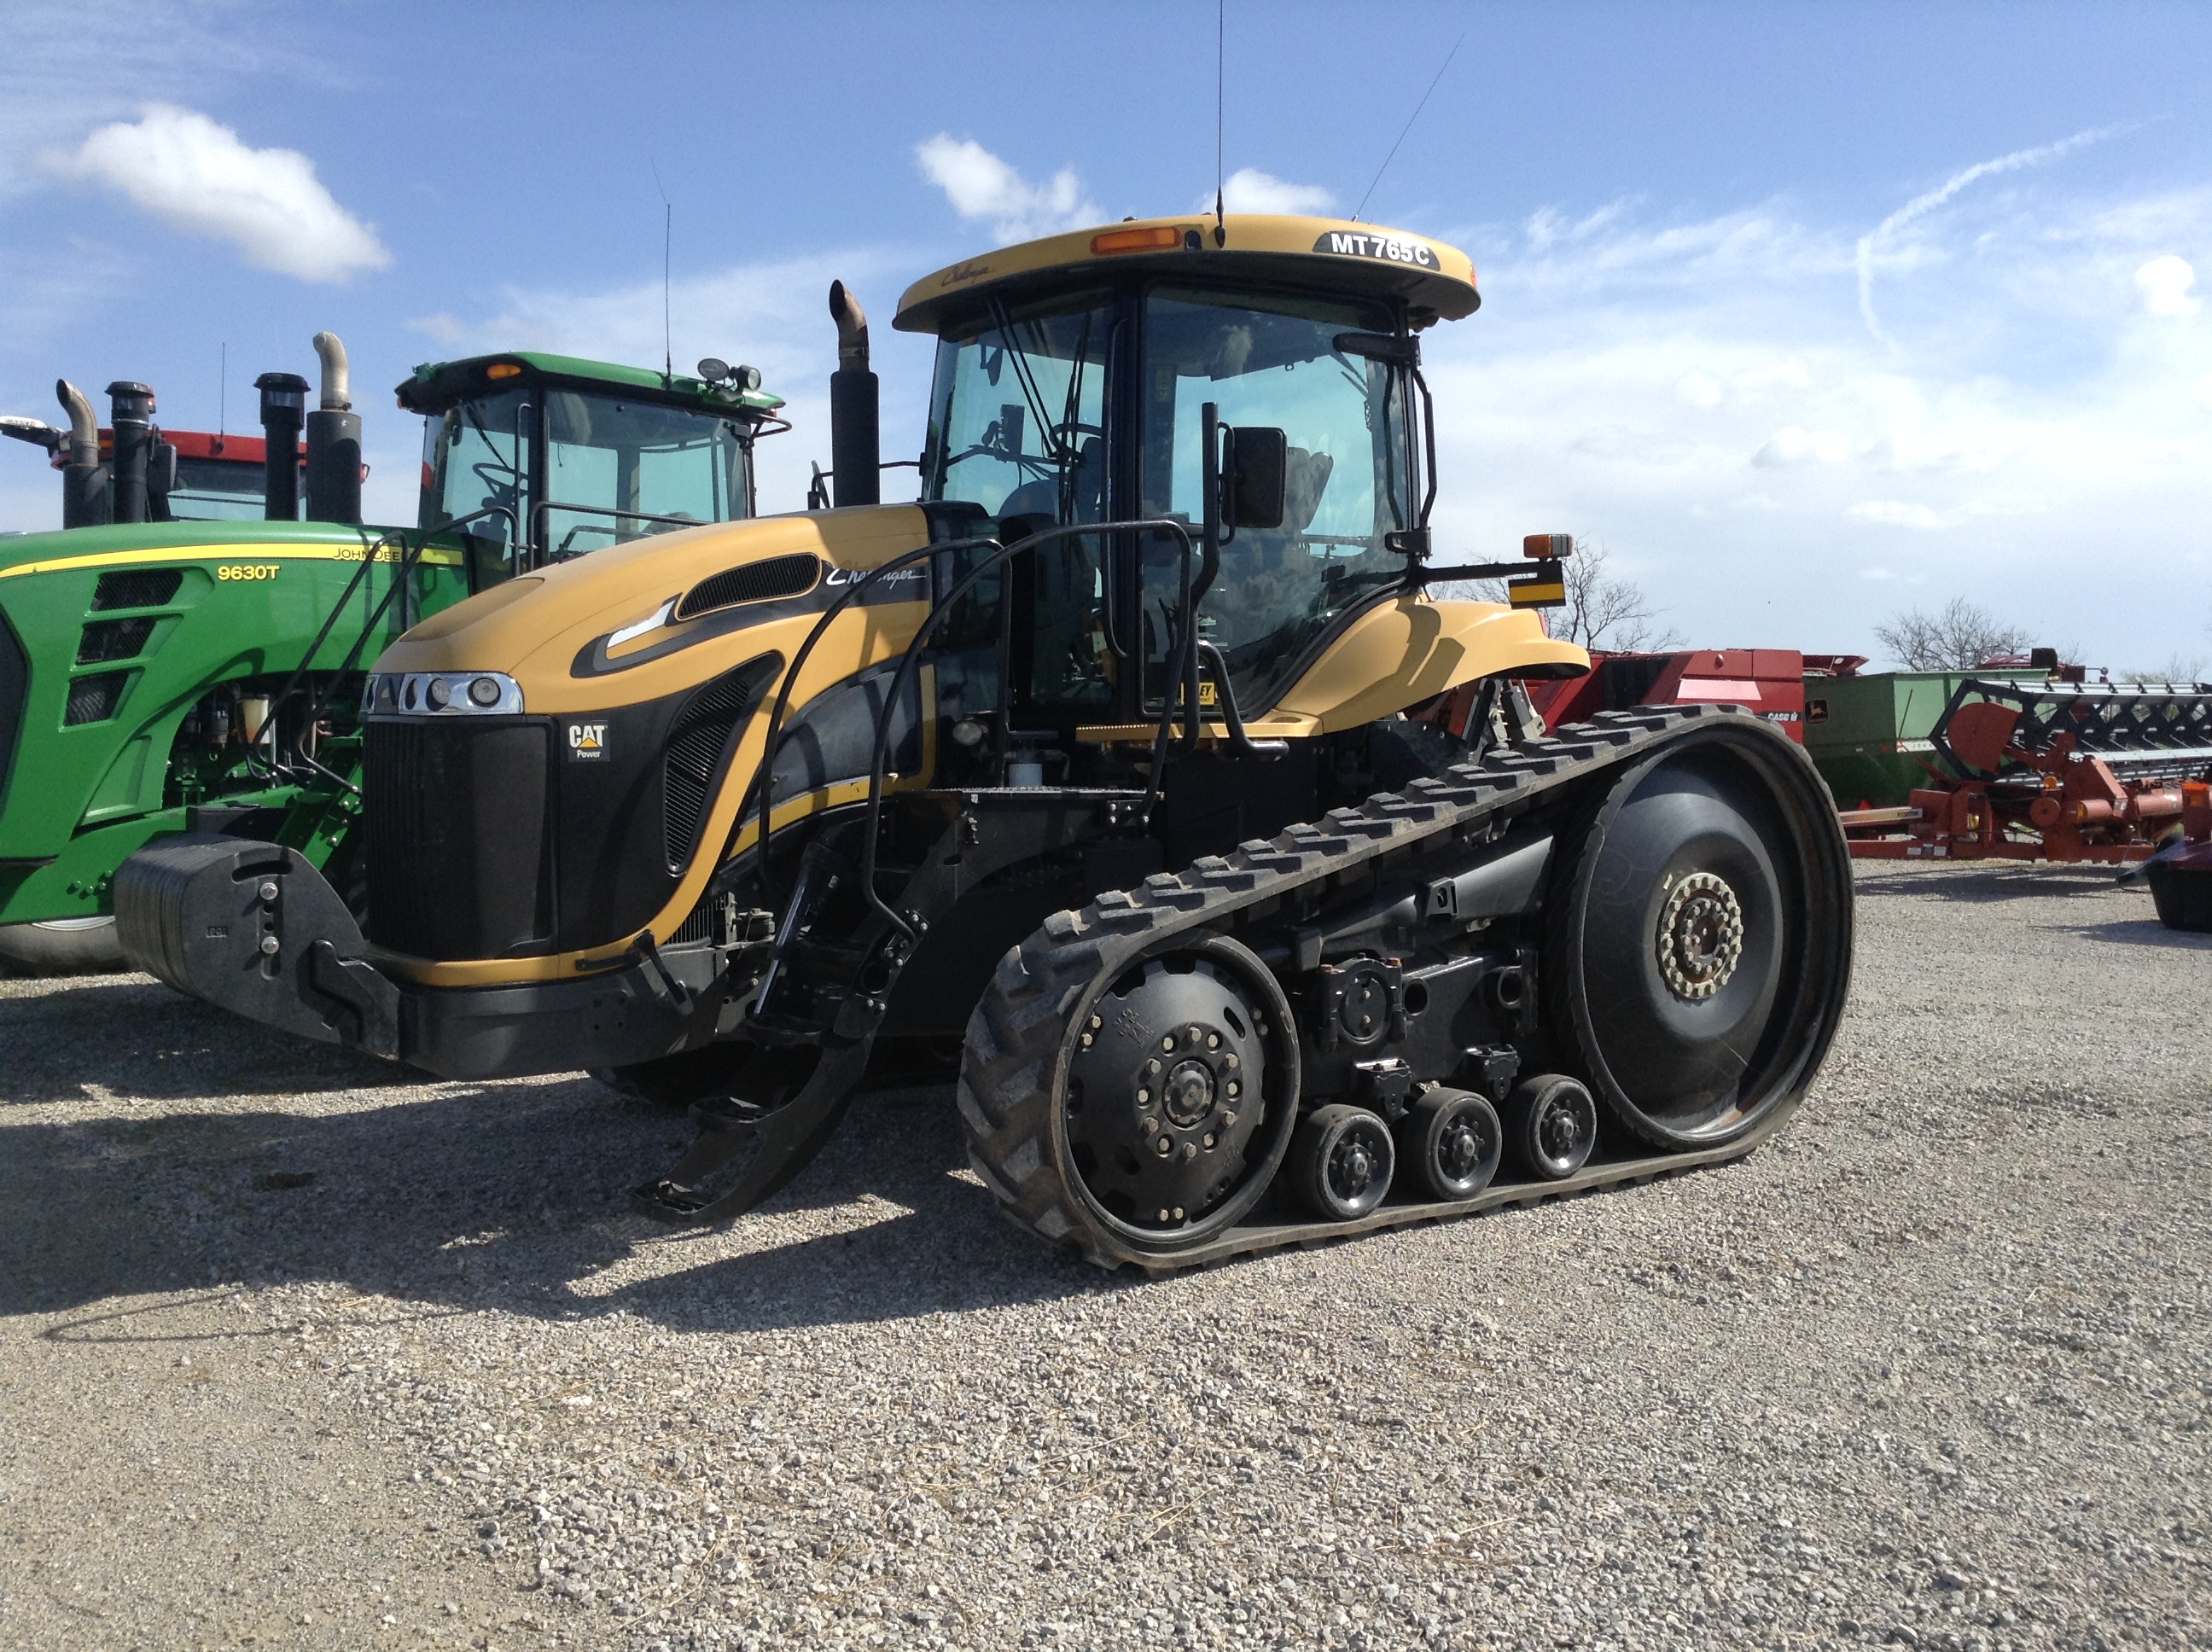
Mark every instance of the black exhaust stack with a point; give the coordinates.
(333, 441)
(855, 449)
(130, 416)
(284, 405)
(85, 501)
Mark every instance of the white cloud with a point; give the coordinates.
(1795, 445)
(1699, 389)
(1896, 513)
(196, 177)
(981, 185)
(2204, 391)
(1921, 205)
(1250, 190)
(2165, 284)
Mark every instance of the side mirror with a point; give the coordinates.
(1254, 475)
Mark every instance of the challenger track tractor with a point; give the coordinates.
(1094, 770)
(161, 674)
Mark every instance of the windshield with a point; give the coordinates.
(1273, 362)
(218, 490)
(1015, 419)
(617, 470)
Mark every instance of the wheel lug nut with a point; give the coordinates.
(1164, 1145)
(1191, 1035)
(1150, 1127)
(1152, 1066)
(1227, 1119)
(1168, 1041)
(1190, 1150)
(1178, 1212)
(1213, 1041)
(1096, 1024)
(1209, 1141)
(1086, 1041)
(1229, 1059)
(1144, 1098)
(1232, 1086)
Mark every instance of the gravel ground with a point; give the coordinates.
(293, 1351)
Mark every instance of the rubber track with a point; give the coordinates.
(1015, 1036)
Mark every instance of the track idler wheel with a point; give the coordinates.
(1697, 951)
(1451, 1142)
(1152, 1116)
(1341, 1162)
(1552, 1122)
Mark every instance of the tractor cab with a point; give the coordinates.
(1121, 375)
(539, 459)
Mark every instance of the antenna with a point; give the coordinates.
(223, 395)
(1410, 119)
(1220, 100)
(668, 238)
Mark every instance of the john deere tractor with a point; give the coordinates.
(160, 674)
(1106, 768)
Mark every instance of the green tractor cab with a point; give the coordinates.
(160, 675)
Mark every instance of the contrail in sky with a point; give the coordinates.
(1922, 204)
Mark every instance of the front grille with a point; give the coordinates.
(460, 834)
(144, 587)
(93, 699)
(698, 748)
(106, 639)
(15, 688)
(776, 576)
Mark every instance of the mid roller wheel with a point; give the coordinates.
(1341, 1162)
(1451, 1142)
(1552, 1124)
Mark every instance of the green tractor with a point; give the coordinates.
(162, 674)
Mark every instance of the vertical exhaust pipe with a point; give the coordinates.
(130, 416)
(85, 502)
(284, 405)
(333, 441)
(855, 449)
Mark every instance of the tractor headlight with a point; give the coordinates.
(442, 694)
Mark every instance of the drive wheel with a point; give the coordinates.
(1152, 1117)
(1697, 945)
(62, 946)
(1342, 1162)
(1451, 1141)
(1552, 1124)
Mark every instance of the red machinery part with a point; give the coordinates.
(1768, 681)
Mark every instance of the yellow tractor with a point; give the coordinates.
(1102, 771)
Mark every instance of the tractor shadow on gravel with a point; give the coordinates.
(501, 1196)
(1988, 880)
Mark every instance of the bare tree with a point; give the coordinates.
(1604, 613)
(1961, 637)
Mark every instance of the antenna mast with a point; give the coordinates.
(1410, 119)
(1220, 100)
(667, 239)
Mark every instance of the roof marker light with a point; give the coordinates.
(1160, 238)
(504, 370)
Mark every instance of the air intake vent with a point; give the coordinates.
(106, 640)
(779, 576)
(148, 588)
(699, 749)
(93, 699)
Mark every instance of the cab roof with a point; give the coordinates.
(1334, 254)
(436, 386)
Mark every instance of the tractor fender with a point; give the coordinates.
(1400, 654)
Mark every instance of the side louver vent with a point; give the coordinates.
(145, 587)
(778, 576)
(15, 689)
(698, 748)
(106, 640)
(93, 699)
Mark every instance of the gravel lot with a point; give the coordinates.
(295, 1351)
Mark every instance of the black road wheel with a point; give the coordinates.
(1697, 945)
(1157, 1112)
(1341, 1162)
(1451, 1142)
(62, 946)
(1552, 1124)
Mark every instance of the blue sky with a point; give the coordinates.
(1808, 313)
